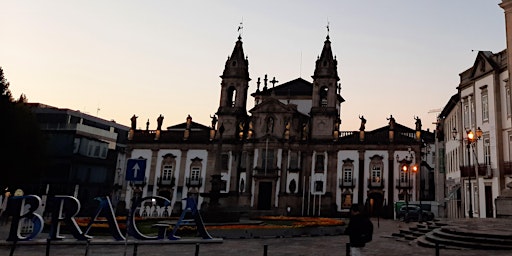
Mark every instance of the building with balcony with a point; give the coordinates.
(477, 171)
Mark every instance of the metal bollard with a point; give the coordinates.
(13, 247)
(347, 249)
(135, 249)
(265, 249)
(48, 242)
(87, 243)
(197, 249)
(437, 248)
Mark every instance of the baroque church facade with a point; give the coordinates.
(285, 155)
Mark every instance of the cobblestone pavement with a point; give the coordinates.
(383, 244)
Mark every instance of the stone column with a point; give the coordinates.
(361, 178)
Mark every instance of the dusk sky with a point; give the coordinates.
(114, 59)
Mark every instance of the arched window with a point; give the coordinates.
(323, 96)
(231, 96)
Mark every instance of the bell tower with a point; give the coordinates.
(326, 100)
(232, 111)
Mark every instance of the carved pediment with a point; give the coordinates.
(272, 105)
(483, 64)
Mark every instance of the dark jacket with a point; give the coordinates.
(356, 228)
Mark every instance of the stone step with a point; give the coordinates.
(422, 241)
(507, 236)
(410, 232)
(484, 238)
(465, 241)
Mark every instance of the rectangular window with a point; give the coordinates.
(376, 174)
(243, 161)
(104, 152)
(194, 174)
(487, 150)
(76, 145)
(225, 162)
(268, 159)
(485, 106)
(90, 151)
(403, 177)
(347, 175)
(466, 115)
(510, 146)
(508, 100)
(294, 160)
(167, 172)
(472, 109)
(319, 186)
(97, 151)
(319, 163)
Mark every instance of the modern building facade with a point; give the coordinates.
(286, 154)
(85, 153)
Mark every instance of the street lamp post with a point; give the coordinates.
(470, 141)
(407, 168)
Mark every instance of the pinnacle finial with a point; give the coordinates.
(327, 29)
(240, 30)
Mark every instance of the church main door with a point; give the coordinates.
(265, 196)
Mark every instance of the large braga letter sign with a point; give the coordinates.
(135, 169)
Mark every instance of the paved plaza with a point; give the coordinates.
(383, 244)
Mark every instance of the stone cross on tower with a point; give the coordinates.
(273, 82)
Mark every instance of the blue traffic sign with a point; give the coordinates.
(135, 169)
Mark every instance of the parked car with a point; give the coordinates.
(413, 213)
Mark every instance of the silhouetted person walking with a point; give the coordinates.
(359, 230)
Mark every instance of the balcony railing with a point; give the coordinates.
(484, 171)
(375, 183)
(166, 181)
(343, 183)
(466, 171)
(403, 184)
(197, 182)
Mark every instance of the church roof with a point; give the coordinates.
(297, 87)
(183, 126)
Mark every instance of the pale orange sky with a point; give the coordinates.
(164, 57)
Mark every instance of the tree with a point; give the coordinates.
(23, 144)
(6, 93)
